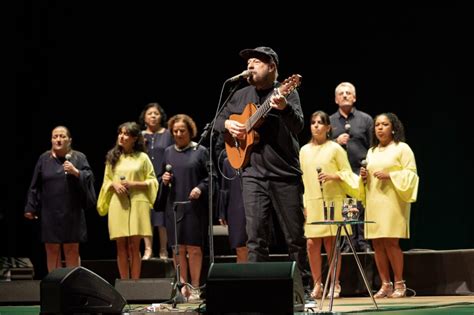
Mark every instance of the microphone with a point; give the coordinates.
(363, 164)
(347, 126)
(122, 177)
(68, 158)
(169, 169)
(325, 208)
(319, 169)
(244, 75)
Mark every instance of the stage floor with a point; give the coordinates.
(419, 305)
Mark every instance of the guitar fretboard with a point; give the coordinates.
(260, 113)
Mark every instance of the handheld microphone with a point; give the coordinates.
(122, 178)
(363, 164)
(244, 75)
(319, 169)
(325, 208)
(347, 126)
(68, 158)
(169, 169)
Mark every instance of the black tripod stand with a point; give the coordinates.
(178, 296)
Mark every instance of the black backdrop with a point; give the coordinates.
(92, 68)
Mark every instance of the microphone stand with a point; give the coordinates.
(210, 126)
(178, 296)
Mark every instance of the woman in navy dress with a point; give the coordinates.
(157, 139)
(185, 179)
(61, 189)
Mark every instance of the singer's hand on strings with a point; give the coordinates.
(195, 193)
(235, 129)
(278, 101)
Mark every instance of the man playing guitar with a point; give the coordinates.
(271, 174)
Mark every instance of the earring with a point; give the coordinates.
(393, 132)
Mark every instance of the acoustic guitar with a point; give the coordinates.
(238, 151)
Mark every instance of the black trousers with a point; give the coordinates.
(286, 199)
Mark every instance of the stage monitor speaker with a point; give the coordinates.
(265, 287)
(146, 290)
(78, 290)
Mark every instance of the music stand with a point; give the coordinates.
(178, 296)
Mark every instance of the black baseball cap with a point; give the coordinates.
(264, 53)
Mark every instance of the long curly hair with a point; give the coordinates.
(398, 132)
(133, 130)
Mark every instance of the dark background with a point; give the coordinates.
(92, 68)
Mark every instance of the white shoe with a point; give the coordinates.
(147, 254)
(163, 254)
(195, 295)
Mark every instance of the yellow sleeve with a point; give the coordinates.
(103, 202)
(150, 179)
(406, 179)
(349, 180)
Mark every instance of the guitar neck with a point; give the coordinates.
(284, 89)
(259, 114)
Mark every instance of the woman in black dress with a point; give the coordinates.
(61, 189)
(185, 178)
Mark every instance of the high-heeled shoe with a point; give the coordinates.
(400, 290)
(317, 292)
(337, 291)
(385, 291)
(147, 254)
(163, 254)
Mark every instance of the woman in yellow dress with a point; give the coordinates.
(324, 162)
(391, 185)
(127, 195)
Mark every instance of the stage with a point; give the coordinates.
(440, 282)
(420, 305)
